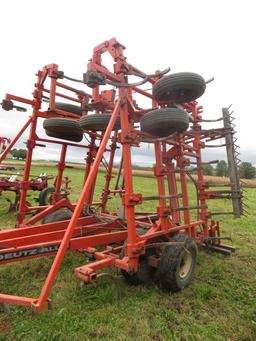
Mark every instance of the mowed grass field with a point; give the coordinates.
(220, 303)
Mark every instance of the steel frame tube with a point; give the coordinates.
(24, 187)
(61, 167)
(127, 170)
(8, 149)
(82, 201)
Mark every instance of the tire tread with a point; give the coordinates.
(179, 87)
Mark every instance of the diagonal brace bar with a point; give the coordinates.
(77, 212)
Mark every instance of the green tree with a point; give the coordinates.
(246, 170)
(208, 169)
(192, 170)
(19, 154)
(222, 168)
(22, 154)
(14, 152)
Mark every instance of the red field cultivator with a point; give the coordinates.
(10, 182)
(143, 245)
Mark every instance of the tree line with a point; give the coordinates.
(19, 154)
(246, 170)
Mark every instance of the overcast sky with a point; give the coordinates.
(212, 38)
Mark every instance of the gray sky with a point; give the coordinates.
(212, 38)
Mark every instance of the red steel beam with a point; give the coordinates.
(8, 149)
(44, 228)
(83, 199)
(18, 300)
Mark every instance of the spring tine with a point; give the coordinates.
(244, 204)
(217, 185)
(220, 213)
(204, 163)
(216, 120)
(214, 145)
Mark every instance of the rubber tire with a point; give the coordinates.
(170, 262)
(164, 122)
(59, 215)
(179, 87)
(42, 198)
(98, 122)
(74, 109)
(145, 272)
(63, 128)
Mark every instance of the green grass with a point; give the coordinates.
(220, 303)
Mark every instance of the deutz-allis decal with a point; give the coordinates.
(28, 252)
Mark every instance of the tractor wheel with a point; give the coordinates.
(145, 272)
(59, 215)
(98, 122)
(164, 122)
(44, 198)
(143, 275)
(74, 109)
(63, 128)
(177, 264)
(179, 87)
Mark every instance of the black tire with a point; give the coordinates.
(59, 215)
(164, 122)
(145, 272)
(177, 264)
(74, 109)
(63, 128)
(4, 308)
(179, 87)
(98, 122)
(44, 197)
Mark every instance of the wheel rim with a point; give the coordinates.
(185, 264)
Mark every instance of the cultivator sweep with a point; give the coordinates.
(141, 244)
